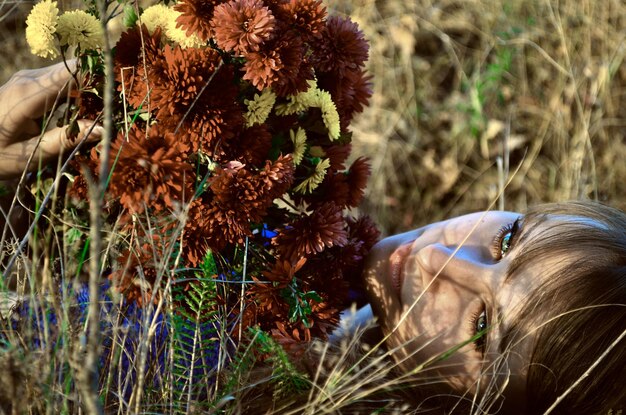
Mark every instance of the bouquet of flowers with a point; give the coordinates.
(232, 135)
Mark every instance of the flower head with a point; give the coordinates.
(41, 25)
(136, 54)
(310, 183)
(298, 138)
(357, 180)
(308, 16)
(251, 146)
(79, 28)
(325, 227)
(241, 26)
(150, 171)
(157, 15)
(300, 102)
(182, 98)
(259, 107)
(281, 64)
(196, 15)
(165, 17)
(342, 47)
(329, 114)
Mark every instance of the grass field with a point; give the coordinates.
(477, 104)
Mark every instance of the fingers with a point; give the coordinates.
(31, 93)
(60, 139)
(53, 142)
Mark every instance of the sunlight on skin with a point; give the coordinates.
(428, 287)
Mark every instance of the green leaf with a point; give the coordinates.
(130, 16)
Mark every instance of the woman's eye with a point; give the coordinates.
(504, 239)
(479, 323)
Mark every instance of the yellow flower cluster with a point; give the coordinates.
(259, 107)
(165, 17)
(41, 25)
(81, 29)
(298, 138)
(314, 180)
(314, 98)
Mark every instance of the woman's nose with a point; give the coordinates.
(465, 265)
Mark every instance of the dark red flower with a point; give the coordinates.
(342, 47)
(242, 25)
(311, 234)
(357, 180)
(251, 146)
(338, 155)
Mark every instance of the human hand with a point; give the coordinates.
(24, 99)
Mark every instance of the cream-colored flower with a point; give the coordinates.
(259, 107)
(79, 28)
(41, 25)
(313, 181)
(178, 35)
(300, 102)
(155, 16)
(298, 138)
(165, 17)
(329, 113)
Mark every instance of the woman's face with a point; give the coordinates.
(446, 285)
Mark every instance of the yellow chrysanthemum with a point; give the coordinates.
(298, 138)
(259, 107)
(41, 24)
(178, 35)
(79, 28)
(156, 16)
(329, 114)
(165, 17)
(310, 183)
(300, 102)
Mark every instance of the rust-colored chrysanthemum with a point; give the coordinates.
(283, 271)
(250, 146)
(241, 26)
(278, 176)
(149, 171)
(196, 98)
(307, 16)
(136, 53)
(196, 16)
(357, 180)
(280, 63)
(186, 71)
(342, 47)
(311, 234)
